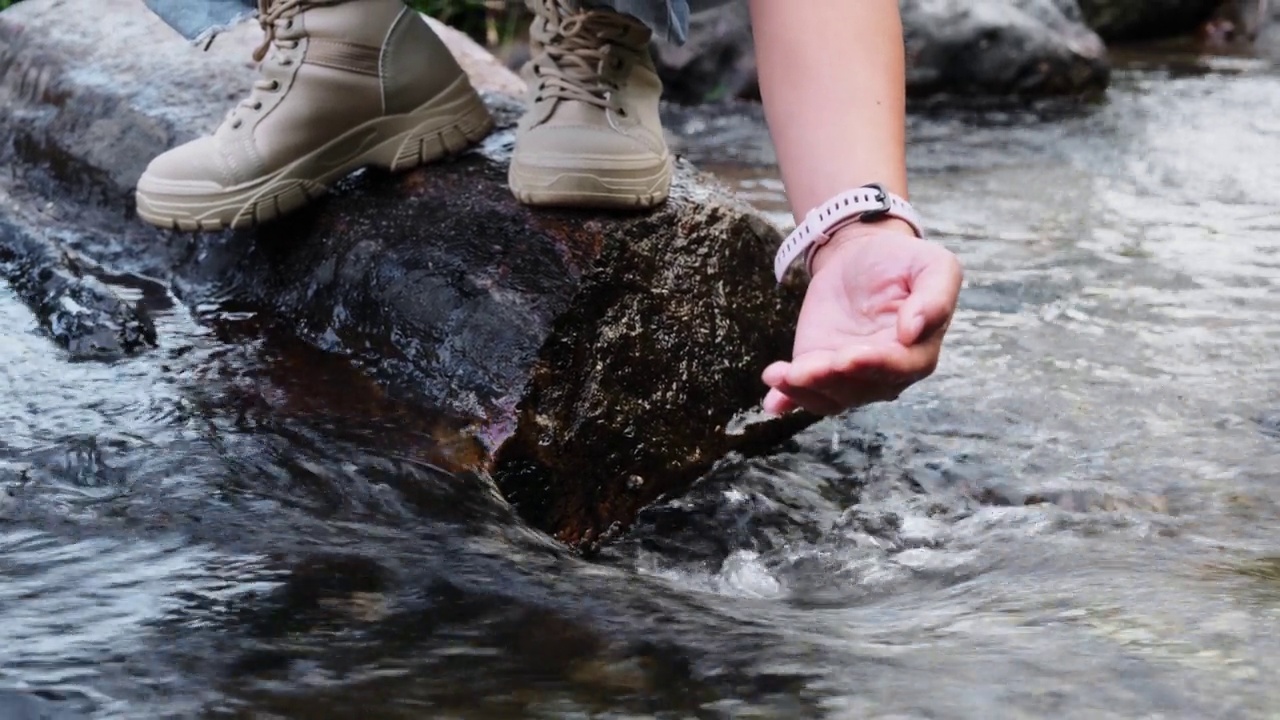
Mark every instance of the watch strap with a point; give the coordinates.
(865, 204)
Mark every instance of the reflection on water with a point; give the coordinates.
(1074, 519)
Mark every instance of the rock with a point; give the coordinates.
(1120, 20)
(1025, 48)
(1238, 22)
(77, 310)
(975, 48)
(596, 361)
(717, 62)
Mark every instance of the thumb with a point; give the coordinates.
(932, 301)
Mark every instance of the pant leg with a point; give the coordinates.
(667, 18)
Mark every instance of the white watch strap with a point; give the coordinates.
(860, 204)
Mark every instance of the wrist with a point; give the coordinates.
(861, 206)
(856, 233)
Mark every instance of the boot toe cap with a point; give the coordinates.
(588, 147)
(196, 167)
(588, 167)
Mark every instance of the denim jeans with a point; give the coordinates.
(667, 18)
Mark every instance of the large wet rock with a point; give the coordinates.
(977, 48)
(1030, 48)
(595, 362)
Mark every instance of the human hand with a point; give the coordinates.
(877, 307)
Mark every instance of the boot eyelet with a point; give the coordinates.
(275, 85)
(257, 105)
(235, 124)
(288, 25)
(622, 112)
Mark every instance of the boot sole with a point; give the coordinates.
(450, 123)
(591, 183)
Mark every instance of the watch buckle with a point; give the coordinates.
(879, 213)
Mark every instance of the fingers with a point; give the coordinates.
(932, 301)
(785, 399)
(812, 400)
(809, 369)
(776, 373)
(828, 383)
(787, 394)
(777, 403)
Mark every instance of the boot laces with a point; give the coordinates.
(273, 16)
(578, 48)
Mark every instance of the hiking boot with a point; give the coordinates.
(590, 136)
(343, 84)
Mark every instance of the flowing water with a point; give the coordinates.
(1075, 518)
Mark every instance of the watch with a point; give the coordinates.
(868, 203)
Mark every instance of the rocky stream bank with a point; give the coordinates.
(979, 50)
(591, 363)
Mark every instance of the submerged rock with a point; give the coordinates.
(77, 310)
(17, 705)
(982, 48)
(598, 361)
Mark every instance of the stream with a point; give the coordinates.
(1074, 518)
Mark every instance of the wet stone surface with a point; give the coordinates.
(78, 311)
(579, 351)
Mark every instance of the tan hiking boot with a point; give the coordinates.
(590, 136)
(343, 84)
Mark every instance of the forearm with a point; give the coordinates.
(832, 75)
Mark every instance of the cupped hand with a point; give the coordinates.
(878, 304)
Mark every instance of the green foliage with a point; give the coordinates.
(491, 22)
(6, 3)
(467, 15)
